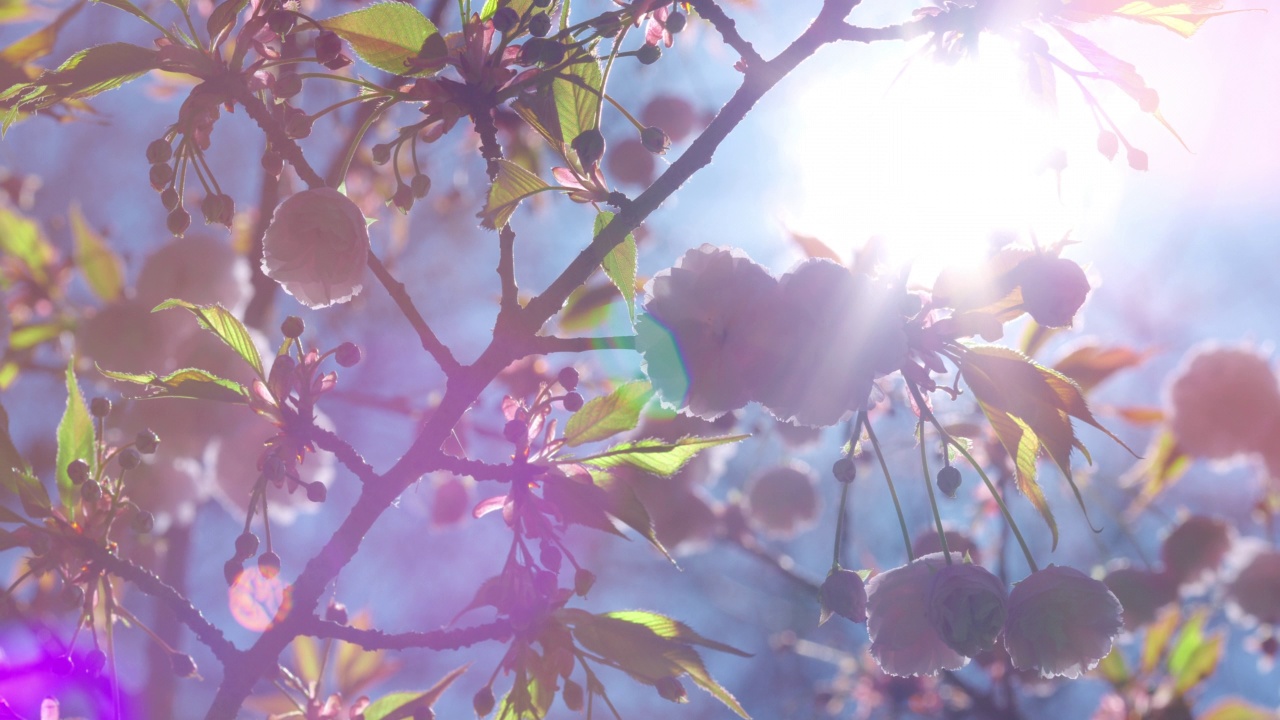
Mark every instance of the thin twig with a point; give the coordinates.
(426, 336)
(342, 450)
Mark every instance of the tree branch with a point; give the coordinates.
(499, 630)
(148, 583)
(547, 344)
(342, 450)
(728, 30)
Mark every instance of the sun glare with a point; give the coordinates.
(935, 161)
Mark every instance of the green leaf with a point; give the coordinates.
(411, 705)
(21, 239)
(649, 647)
(102, 268)
(577, 98)
(625, 505)
(603, 417)
(39, 43)
(223, 18)
(1194, 655)
(651, 455)
(29, 336)
(1113, 668)
(222, 323)
(85, 74)
(1182, 18)
(75, 440)
(1158, 634)
(191, 383)
(12, 464)
(386, 35)
(620, 263)
(512, 185)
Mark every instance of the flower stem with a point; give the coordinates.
(1004, 509)
(897, 506)
(933, 501)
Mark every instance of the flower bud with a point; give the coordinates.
(269, 564)
(336, 612)
(281, 22)
(655, 140)
(129, 458)
(78, 471)
(317, 492)
(246, 545)
(143, 522)
(182, 665)
(178, 221)
(348, 354)
(843, 593)
(568, 378)
(483, 702)
(381, 154)
(297, 125)
(231, 571)
(292, 327)
(94, 661)
(572, 696)
(590, 147)
(949, 480)
(146, 441)
(505, 20)
(1108, 144)
(169, 198)
(159, 151)
(287, 86)
(421, 185)
(583, 580)
(272, 162)
(1137, 159)
(161, 176)
(91, 492)
(648, 54)
(573, 401)
(676, 22)
(99, 407)
(328, 46)
(540, 25)
(403, 199)
(845, 470)
(670, 688)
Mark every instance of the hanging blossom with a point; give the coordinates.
(1223, 402)
(720, 331)
(316, 247)
(704, 337)
(903, 641)
(1060, 622)
(967, 607)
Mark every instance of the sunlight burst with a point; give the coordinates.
(942, 159)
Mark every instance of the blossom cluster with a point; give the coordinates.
(720, 331)
(932, 615)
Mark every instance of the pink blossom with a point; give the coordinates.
(1195, 548)
(1223, 402)
(1141, 593)
(1060, 622)
(705, 336)
(834, 332)
(1255, 590)
(967, 607)
(316, 247)
(903, 641)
